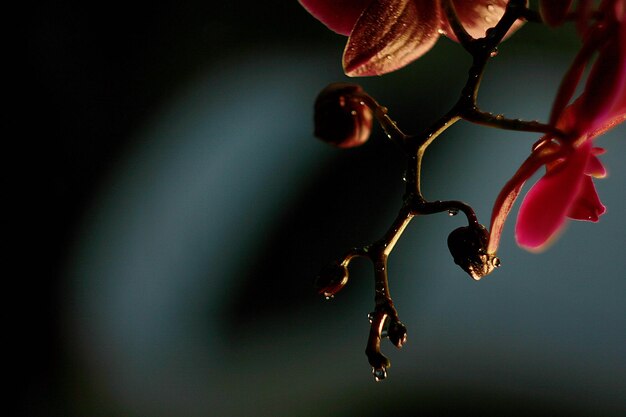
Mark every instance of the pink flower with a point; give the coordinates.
(385, 35)
(567, 190)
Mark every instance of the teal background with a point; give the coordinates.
(185, 209)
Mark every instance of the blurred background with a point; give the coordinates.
(184, 209)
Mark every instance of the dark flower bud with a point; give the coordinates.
(397, 333)
(331, 279)
(468, 248)
(379, 363)
(341, 117)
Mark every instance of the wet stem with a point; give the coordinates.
(482, 50)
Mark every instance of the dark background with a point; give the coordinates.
(103, 81)
(98, 73)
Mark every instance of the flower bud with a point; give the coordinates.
(331, 279)
(468, 248)
(341, 117)
(397, 333)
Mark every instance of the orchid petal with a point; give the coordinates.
(606, 126)
(619, 10)
(594, 167)
(587, 205)
(570, 81)
(478, 16)
(543, 154)
(339, 15)
(604, 96)
(554, 12)
(390, 34)
(598, 151)
(543, 211)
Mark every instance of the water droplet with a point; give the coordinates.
(329, 297)
(379, 373)
(442, 32)
(371, 316)
(388, 57)
(487, 19)
(499, 117)
(453, 212)
(490, 8)
(494, 52)
(496, 262)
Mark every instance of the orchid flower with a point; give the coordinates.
(567, 190)
(386, 35)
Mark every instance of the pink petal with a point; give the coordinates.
(554, 12)
(587, 205)
(604, 96)
(543, 154)
(598, 151)
(478, 16)
(568, 86)
(607, 125)
(594, 167)
(544, 208)
(619, 10)
(390, 34)
(339, 15)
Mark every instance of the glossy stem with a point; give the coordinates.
(384, 311)
(414, 203)
(477, 116)
(386, 122)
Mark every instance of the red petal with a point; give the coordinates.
(619, 10)
(544, 154)
(478, 16)
(390, 34)
(594, 167)
(604, 97)
(587, 205)
(554, 12)
(339, 15)
(598, 151)
(567, 88)
(544, 208)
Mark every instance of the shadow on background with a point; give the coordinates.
(188, 209)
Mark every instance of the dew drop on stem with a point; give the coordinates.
(379, 374)
(371, 317)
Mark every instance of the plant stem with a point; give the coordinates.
(415, 146)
